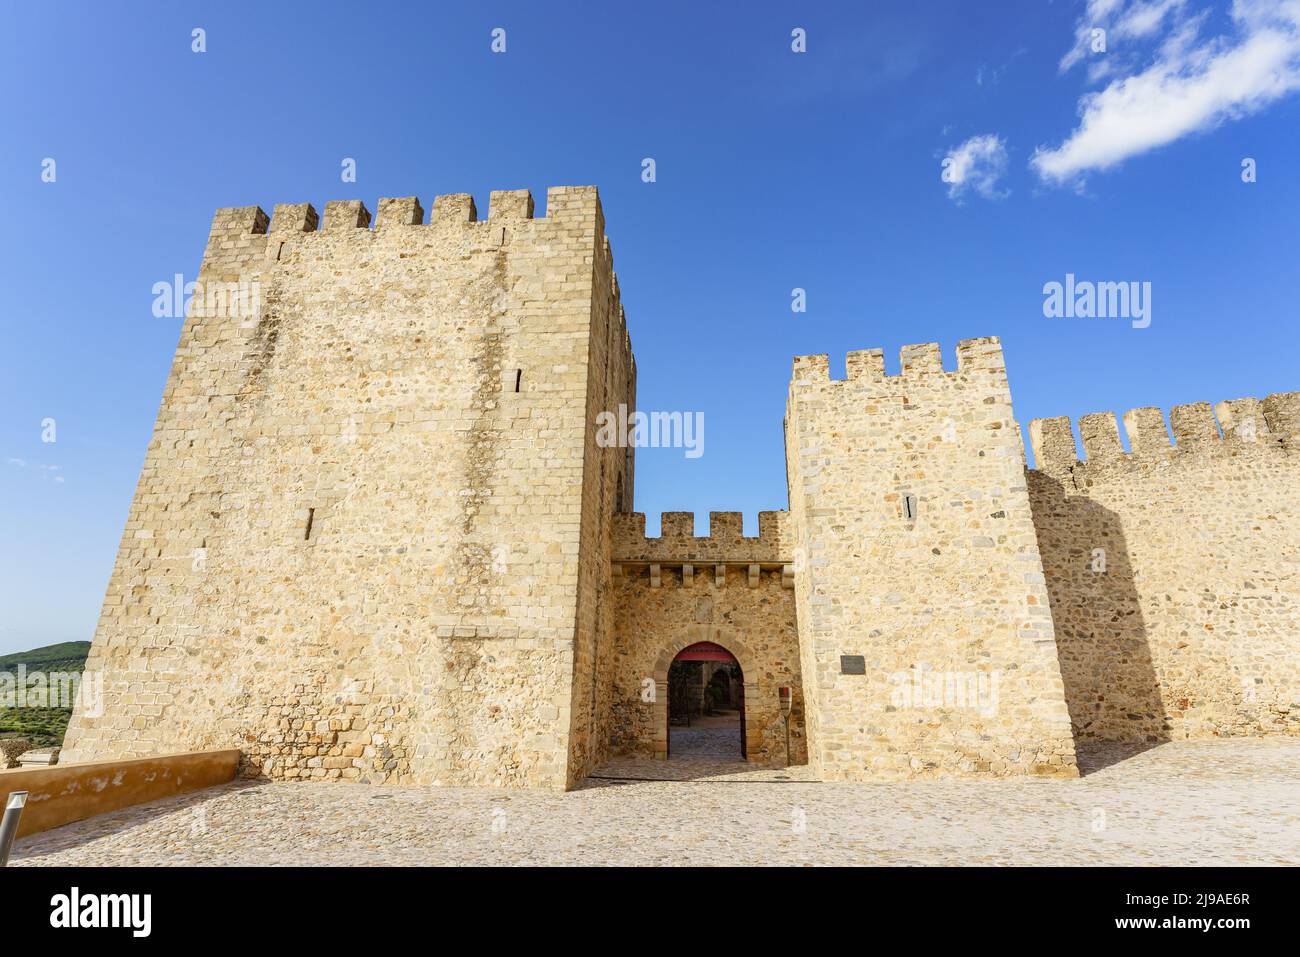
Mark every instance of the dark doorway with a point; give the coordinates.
(706, 704)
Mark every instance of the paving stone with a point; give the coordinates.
(1230, 802)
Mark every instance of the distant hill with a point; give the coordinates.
(65, 656)
(43, 727)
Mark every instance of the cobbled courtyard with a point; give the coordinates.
(1233, 802)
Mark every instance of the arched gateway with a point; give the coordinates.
(721, 687)
(679, 591)
(704, 643)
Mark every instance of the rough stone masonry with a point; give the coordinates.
(376, 537)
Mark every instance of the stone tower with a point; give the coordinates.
(371, 535)
(925, 636)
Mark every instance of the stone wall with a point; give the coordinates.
(679, 589)
(1174, 570)
(926, 639)
(356, 547)
(607, 488)
(62, 793)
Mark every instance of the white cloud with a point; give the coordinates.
(1143, 19)
(1122, 20)
(1190, 84)
(976, 165)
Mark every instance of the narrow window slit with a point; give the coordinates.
(311, 517)
(519, 378)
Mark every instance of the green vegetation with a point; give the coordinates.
(65, 656)
(44, 726)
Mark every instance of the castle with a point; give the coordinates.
(375, 537)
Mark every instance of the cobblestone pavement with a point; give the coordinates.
(708, 738)
(1212, 802)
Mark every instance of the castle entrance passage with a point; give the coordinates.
(706, 704)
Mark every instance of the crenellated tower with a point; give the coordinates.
(924, 631)
(371, 535)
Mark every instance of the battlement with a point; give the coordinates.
(677, 543)
(920, 361)
(564, 204)
(1231, 427)
(245, 242)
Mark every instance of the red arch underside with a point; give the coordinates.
(705, 651)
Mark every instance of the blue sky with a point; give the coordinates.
(774, 170)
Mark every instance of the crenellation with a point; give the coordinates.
(578, 204)
(677, 525)
(982, 355)
(978, 361)
(510, 204)
(677, 541)
(925, 358)
(1194, 426)
(1242, 421)
(726, 527)
(454, 208)
(403, 211)
(811, 369)
(773, 527)
(1147, 436)
(294, 218)
(1100, 434)
(239, 220)
(1053, 445)
(346, 214)
(1282, 413)
(565, 204)
(628, 527)
(1196, 436)
(865, 364)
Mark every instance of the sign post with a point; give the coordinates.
(785, 697)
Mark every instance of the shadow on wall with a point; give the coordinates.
(1111, 687)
